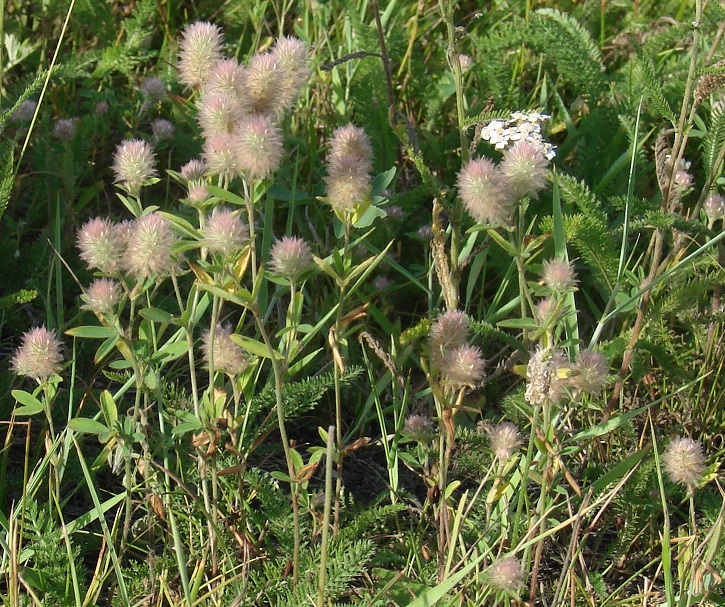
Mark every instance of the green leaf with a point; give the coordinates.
(382, 181)
(31, 405)
(502, 242)
(92, 332)
(108, 407)
(171, 351)
(225, 195)
(157, 315)
(518, 323)
(255, 347)
(87, 426)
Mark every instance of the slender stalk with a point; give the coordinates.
(326, 516)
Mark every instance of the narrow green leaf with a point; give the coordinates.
(255, 347)
(87, 426)
(92, 332)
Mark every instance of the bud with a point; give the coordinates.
(684, 461)
(484, 192)
(149, 247)
(524, 166)
(223, 354)
(714, 208)
(547, 312)
(100, 244)
(39, 355)
(101, 108)
(199, 49)
(224, 233)
(290, 257)
(506, 575)
(462, 366)
(504, 439)
(102, 296)
(133, 165)
(258, 146)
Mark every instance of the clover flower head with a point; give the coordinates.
(102, 296)
(199, 49)
(589, 372)
(506, 575)
(100, 245)
(504, 439)
(226, 77)
(133, 165)
(544, 385)
(290, 257)
(25, 111)
(162, 129)
(463, 366)
(449, 331)
(258, 146)
(264, 85)
(419, 428)
(224, 233)
(221, 353)
(485, 192)
(558, 275)
(39, 355)
(218, 114)
(525, 168)
(220, 156)
(149, 247)
(65, 129)
(714, 207)
(153, 89)
(194, 170)
(684, 461)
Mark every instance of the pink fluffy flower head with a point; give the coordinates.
(507, 575)
(504, 440)
(199, 49)
(714, 208)
(133, 165)
(525, 168)
(258, 146)
(558, 275)
(220, 156)
(419, 428)
(485, 193)
(218, 114)
(293, 57)
(153, 89)
(589, 372)
(226, 77)
(463, 366)
(224, 233)
(102, 296)
(65, 129)
(39, 355)
(348, 168)
(684, 461)
(193, 170)
(149, 247)
(221, 353)
(264, 85)
(351, 142)
(290, 257)
(100, 245)
(449, 331)
(162, 129)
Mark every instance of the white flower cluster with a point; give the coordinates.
(520, 126)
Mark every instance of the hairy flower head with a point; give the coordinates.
(419, 428)
(558, 275)
(684, 461)
(462, 366)
(485, 193)
(226, 77)
(133, 165)
(293, 58)
(258, 146)
(25, 111)
(525, 168)
(714, 208)
(153, 89)
(504, 440)
(544, 385)
(218, 114)
(224, 233)
(102, 296)
(264, 85)
(194, 170)
(352, 144)
(221, 353)
(449, 331)
(290, 257)
(39, 355)
(65, 129)
(589, 372)
(220, 156)
(199, 49)
(149, 247)
(162, 129)
(100, 245)
(506, 575)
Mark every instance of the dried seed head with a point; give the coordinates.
(218, 114)
(506, 575)
(133, 165)
(504, 439)
(102, 296)
(290, 257)
(524, 166)
(149, 247)
(100, 244)
(558, 275)
(224, 233)
(485, 193)
(223, 354)
(589, 372)
(39, 355)
(258, 146)
(684, 461)
(199, 49)
(462, 366)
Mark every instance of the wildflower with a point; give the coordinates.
(218, 114)
(153, 89)
(220, 156)
(351, 142)
(293, 57)
(133, 165)
(25, 111)
(449, 331)
(100, 245)
(290, 257)
(684, 461)
(39, 355)
(101, 108)
(162, 129)
(221, 353)
(102, 296)
(149, 247)
(524, 166)
(714, 208)
(547, 311)
(545, 386)
(520, 126)
(558, 275)
(504, 439)
(226, 77)
(381, 283)
(348, 168)
(193, 170)
(485, 193)
(264, 86)
(65, 129)
(506, 574)
(200, 48)
(425, 232)
(395, 212)
(197, 193)
(465, 61)
(418, 428)
(224, 232)
(258, 146)
(589, 372)
(462, 366)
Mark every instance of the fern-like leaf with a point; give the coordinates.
(653, 88)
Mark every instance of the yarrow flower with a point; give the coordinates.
(507, 575)
(521, 126)
(149, 247)
(290, 257)
(133, 165)
(348, 168)
(485, 192)
(504, 440)
(684, 461)
(199, 49)
(224, 233)
(102, 296)
(100, 244)
(221, 353)
(524, 166)
(39, 355)
(258, 146)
